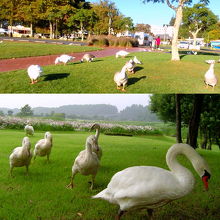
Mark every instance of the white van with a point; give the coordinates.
(143, 38)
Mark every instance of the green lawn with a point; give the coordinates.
(157, 75)
(42, 194)
(23, 49)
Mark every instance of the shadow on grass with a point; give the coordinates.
(94, 61)
(55, 76)
(135, 80)
(138, 68)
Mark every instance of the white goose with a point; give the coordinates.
(43, 147)
(136, 60)
(151, 187)
(121, 53)
(21, 156)
(93, 140)
(130, 66)
(210, 77)
(86, 163)
(29, 130)
(87, 57)
(121, 78)
(64, 59)
(34, 72)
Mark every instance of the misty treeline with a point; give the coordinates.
(97, 112)
(198, 112)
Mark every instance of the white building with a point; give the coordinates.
(165, 31)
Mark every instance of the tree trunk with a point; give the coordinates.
(178, 119)
(82, 34)
(51, 30)
(31, 27)
(178, 20)
(195, 119)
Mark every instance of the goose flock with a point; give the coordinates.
(120, 77)
(134, 188)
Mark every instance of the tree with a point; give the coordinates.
(122, 23)
(195, 120)
(83, 19)
(10, 112)
(25, 111)
(178, 8)
(178, 119)
(9, 9)
(143, 28)
(198, 18)
(107, 14)
(213, 34)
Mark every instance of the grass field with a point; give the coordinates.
(157, 75)
(42, 194)
(23, 49)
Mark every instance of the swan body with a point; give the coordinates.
(34, 72)
(121, 53)
(88, 57)
(210, 77)
(121, 78)
(151, 187)
(29, 130)
(86, 163)
(64, 59)
(21, 156)
(43, 147)
(93, 140)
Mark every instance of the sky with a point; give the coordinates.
(121, 101)
(153, 13)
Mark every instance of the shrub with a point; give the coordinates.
(113, 41)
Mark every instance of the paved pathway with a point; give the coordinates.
(23, 63)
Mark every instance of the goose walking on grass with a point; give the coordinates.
(88, 57)
(43, 147)
(210, 77)
(148, 187)
(136, 60)
(86, 163)
(21, 156)
(64, 59)
(130, 66)
(121, 53)
(93, 140)
(121, 78)
(29, 130)
(34, 72)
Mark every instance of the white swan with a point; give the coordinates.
(29, 130)
(21, 156)
(121, 53)
(34, 72)
(87, 57)
(64, 59)
(151, 187)
(93, 140)
(86, 163)
(43, 147)
(210, 77)
(121, 78)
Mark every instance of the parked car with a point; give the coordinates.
(183, 45)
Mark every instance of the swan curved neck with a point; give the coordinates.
(88, 148)
(185, 177)
(97, 133)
